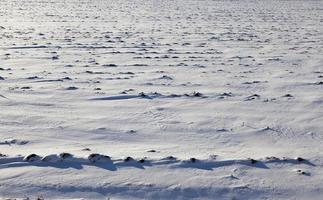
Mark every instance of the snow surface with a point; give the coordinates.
(232, 90)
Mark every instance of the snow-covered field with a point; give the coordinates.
(210, 99)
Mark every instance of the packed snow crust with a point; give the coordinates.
(161, 99)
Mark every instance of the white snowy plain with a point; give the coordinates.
(232, 90)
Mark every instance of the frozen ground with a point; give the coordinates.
(224, 82)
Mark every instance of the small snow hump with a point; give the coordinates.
(272, 158)
(128, 159)
(299, 159)
(65, 155)
(95, 157)
(72, 88)
(288, 95)
(170, 158)
(152, 151)
(2, 155)
(197, 94)
(301, 172)
(14, 141)
(252, 161)
(142, 94)
(55, 57)
(32, 157)
(51, 158)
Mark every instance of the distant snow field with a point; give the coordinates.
(161, 99)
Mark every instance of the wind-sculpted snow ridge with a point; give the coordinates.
(149, 96)
(67, 160)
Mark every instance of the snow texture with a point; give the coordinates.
(161, 99)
